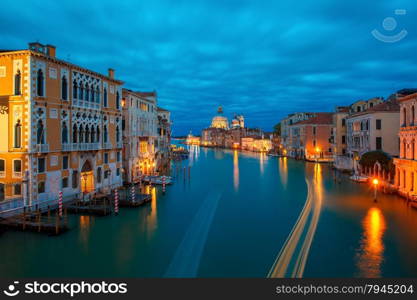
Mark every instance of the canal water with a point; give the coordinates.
(237, 214)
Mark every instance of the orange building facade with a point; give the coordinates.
(60, 127)
(311, 139)
(406, 164)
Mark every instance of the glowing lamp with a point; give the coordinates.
(375, 181)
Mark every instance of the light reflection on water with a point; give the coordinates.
(283, 170)
(371, 252)
(236, 170)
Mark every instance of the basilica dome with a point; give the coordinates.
(220, 121)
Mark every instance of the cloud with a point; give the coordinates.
(260, 59)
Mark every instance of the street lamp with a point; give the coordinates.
(375, 183)
(317, 155)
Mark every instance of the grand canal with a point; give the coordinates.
(237, 215)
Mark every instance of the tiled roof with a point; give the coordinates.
(320, 118)
(388, 106)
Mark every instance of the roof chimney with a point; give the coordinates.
(50, 50)
(111, 73)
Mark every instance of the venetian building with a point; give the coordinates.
(139, 134)
(406, 164)
(163, 145)
(220, 121)
(60, 127)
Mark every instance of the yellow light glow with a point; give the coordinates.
(317, 149)
(375, 181)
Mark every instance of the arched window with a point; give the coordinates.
(87, 94)
(117, 134)
(105, 137)
(117, 100)
(81, 96)
(404, 117)
(87, 135)
(17, 81)
(40, 135)
(18, 134)
(98, 134)
(98, 95)
(64, 88)
(64, 133)
(105, 97)
(74, 89)
(81, 135)
(92, 135)
(93, 99)
(74, 133)
(39, 83)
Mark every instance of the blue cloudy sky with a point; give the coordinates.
(262, 59)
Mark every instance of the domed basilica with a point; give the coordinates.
(220, 121)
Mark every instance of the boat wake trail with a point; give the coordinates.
(186, 260)
(292, 258)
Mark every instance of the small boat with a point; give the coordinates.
(358, 178)
(158, 179)
(273, 154)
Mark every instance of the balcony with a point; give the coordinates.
(86, 104)
(84, 146)
(107, 146)
(42, 148)
(66, 147)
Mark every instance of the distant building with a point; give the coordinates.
(373, 129)
(220, 121)
(310, 139)
(192, 140)
(339, 137)
(163, 145)
(139, 134)
(285, 127)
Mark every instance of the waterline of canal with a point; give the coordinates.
(238, 215)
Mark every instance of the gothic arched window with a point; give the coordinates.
(81, 135)
(117, 134)
(98, 134)
(39, 83)
(81, 96)
(92, 94)
(105, 97)
(74, 133)
(74, 89)
(87, 134)
(92, 135)
(87, 94)
(40, 135)
(64, 133)
(64, 88)
(117, 100)
(17, 81)
(105, 137)
(18, 134)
